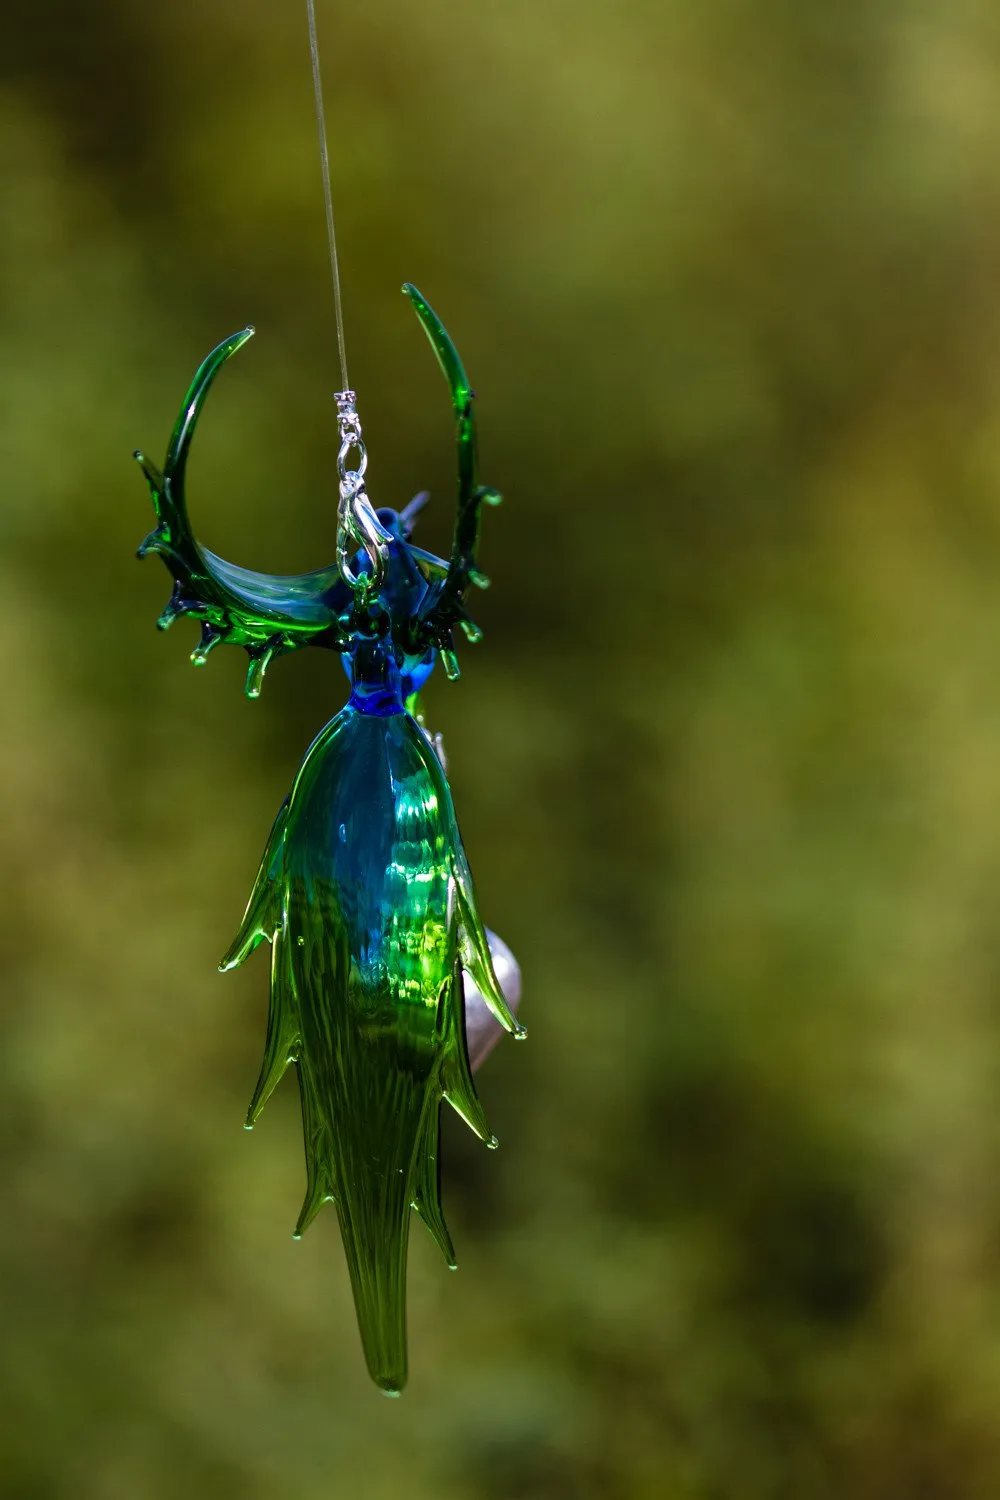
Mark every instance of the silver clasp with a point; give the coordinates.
(357, 523)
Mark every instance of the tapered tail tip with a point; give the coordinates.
(387, 1367)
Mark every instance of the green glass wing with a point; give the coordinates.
(445, 608)
(267, 614)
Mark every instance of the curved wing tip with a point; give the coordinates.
(235, 341)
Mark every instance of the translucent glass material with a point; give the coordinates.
(364, 891)
(366, 897)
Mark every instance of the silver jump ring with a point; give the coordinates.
(347, 445)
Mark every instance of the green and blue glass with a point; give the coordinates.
(364, 891)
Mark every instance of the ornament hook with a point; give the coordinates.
(357, 524)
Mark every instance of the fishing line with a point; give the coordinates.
(324, 159)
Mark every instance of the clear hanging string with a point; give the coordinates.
(324, 162)
(358, 527)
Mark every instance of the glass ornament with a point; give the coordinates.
(364, 891)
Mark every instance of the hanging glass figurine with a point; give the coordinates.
(364, 890)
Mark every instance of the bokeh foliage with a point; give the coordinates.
(727, 278)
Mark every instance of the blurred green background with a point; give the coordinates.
(727, 280)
